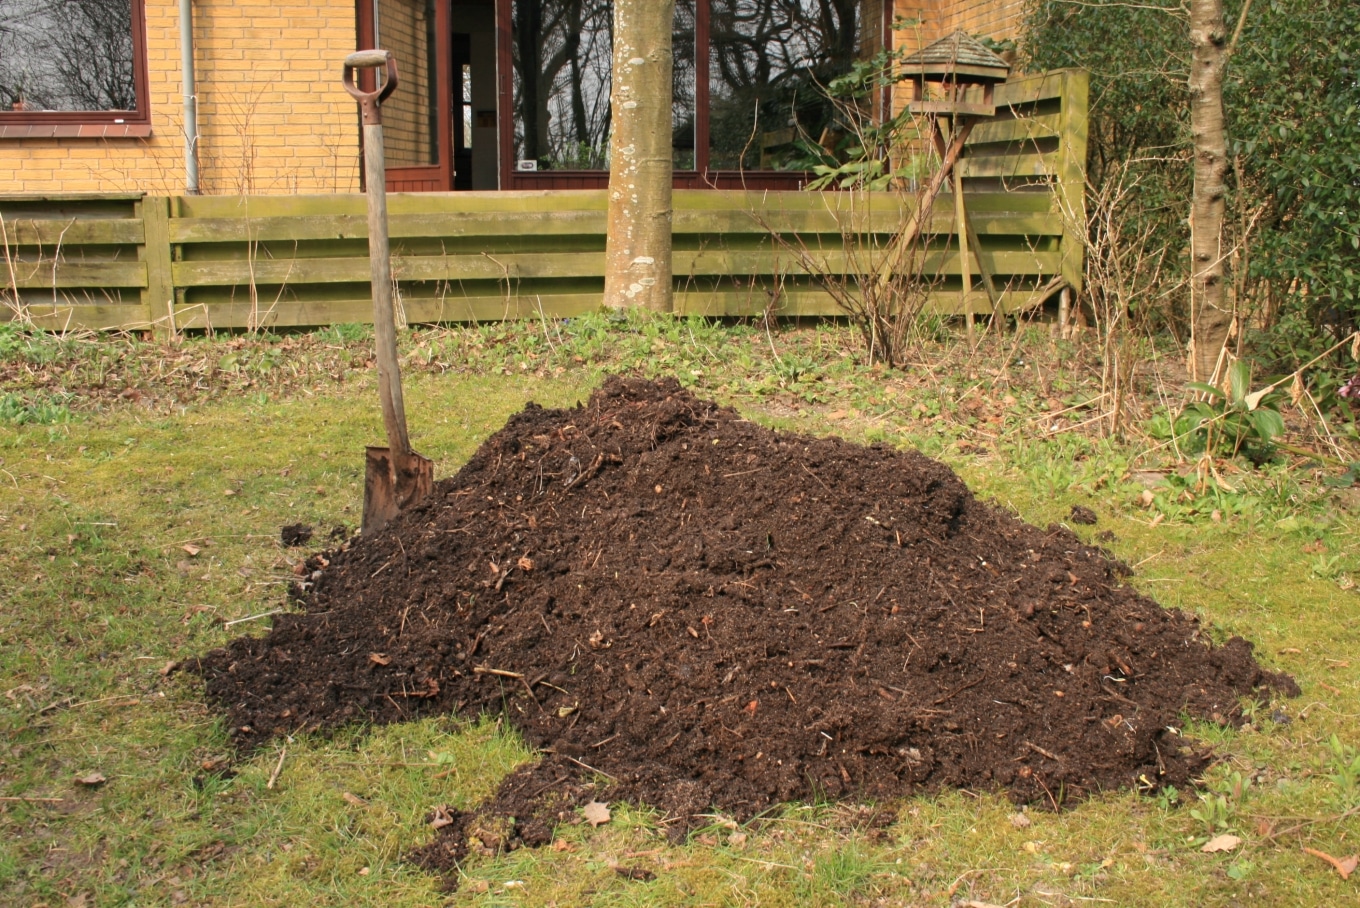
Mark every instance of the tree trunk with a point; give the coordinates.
(638, 246)
(1211, 315)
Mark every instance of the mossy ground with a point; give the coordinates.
(142, 487)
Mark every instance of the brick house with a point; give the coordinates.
(496, 94)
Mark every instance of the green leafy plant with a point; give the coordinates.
(1234, 421)
(1220, 801)
(1344, 763)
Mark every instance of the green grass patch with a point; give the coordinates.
(132, 530)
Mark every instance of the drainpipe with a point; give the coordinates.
(186, 50)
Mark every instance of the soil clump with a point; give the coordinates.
(711, 615)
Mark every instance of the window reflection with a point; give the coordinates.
(768, 62)
(68, 55)
(765, 65)
(560, 51)
(683, 79)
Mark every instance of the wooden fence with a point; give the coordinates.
(204, 262)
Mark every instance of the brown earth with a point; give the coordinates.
(715, 616)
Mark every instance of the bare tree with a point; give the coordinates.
(638, 243)
(1211, 316)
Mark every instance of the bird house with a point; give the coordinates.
(965, 71)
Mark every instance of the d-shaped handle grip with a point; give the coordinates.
(370, 102)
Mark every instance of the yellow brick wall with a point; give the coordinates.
(272, 115)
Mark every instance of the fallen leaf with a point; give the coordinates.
(1344, 866)
(354, 800)
(1225, 842)
(229, 492)
(363, 871)
(1146, 498)
(91, 780)
(525, 563)
(596, 813)
(562, 845)
(479, 886)
(191, 549)
(379, 658)
(1157, 520)
(441, 818)
(737, 839)
(1019, 820)
(21, 689)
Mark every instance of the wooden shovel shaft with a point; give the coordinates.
(384, 317)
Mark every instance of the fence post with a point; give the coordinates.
(1071, 189)
(158, 298)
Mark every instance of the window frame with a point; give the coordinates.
(702, 177)
(92, 124)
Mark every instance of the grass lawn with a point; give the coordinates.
(142, 488)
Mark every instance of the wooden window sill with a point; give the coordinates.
(74, 130)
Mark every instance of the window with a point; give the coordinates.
(747, 80)
(73, 67)
(768, 60)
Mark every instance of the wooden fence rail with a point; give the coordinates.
(204, 262)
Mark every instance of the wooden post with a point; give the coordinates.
(961, 232)
(158, 299)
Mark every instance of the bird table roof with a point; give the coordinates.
(957, 55)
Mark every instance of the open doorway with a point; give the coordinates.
(473, 78)
(440, 125)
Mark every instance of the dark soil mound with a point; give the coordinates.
(716, 615)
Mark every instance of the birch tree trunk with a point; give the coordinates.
(1211, 315)
(638, 245)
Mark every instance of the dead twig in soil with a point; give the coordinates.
(502, 673)
(588, 767)
(277, 611)
(955, 693)
(278, 768)
(1043, 753)
(1299, 827)
(28, 800)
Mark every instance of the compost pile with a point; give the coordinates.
(714, 615)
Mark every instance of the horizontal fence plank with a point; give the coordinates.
(60, 274)
(711, 261)
(1020, 129)
(1031, 89)
(293, 314)
(91, 317)
(66, 232)
(883, 218)
(816, 303)
(1010, 165)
